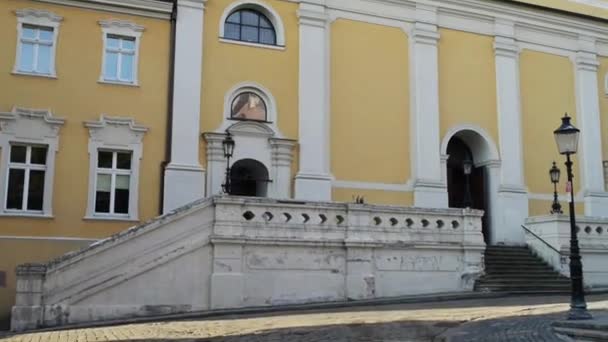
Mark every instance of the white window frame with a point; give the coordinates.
(27, 166)
(263, 8)
(113, 172)
(29, 127)
(115, 134)
(36, 17)
(125, 29)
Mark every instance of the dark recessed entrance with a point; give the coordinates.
(463, 192)
(249, 177)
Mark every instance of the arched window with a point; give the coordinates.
(248, 106)
(249, 25)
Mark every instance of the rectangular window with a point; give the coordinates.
(36, 49)
(119, 59)
(112, 185)
(26, 177)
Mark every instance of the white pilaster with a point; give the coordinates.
(184, 176)
(313, 181)
(429, 189)
(282, 156)
(588, 117)
(216, 163)
(511, 204)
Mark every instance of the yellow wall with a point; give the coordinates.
(14, 252)
(77, 96)
(547, 92)
(374, 196)
(543, 207)
(370, 103)
(226, 65)
(467, 82)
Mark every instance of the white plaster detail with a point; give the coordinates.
(126, 29)
(313, 181)
(263, 8)
(115, 134)
(145, 8)
(342, 184)
(29, 126)
(36, 17)
(236, 252)
(184, 176)
(259, 90)
(588, 109)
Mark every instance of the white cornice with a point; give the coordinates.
(145, 8)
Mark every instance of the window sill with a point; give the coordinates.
(264, 46)
(110, 218)
(119, 83)
(34, 74)
(26, 215)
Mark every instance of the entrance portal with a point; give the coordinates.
(466, 190)
(249, 177)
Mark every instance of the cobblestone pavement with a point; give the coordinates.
(512, 319)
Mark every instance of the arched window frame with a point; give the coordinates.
(235, 97)
(262, 8)
(259, 90)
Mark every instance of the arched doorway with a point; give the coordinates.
(470, 142)
(249, 177)
(466, 188)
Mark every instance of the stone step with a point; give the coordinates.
(518, 282)
(531, 277)
(542, 288)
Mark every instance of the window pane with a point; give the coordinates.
(123, 161)
(249, 18)
(29, 32)
(111, 66)
(44, 59)
(112, 42)
(35, 190)
(128, 44)
(46, 34)
(104, 159)
(38, 155)
(121, 195)
(104, 182)
(248, 106)
(26, 62)
(14, 198)
(267, 36)
(234, 18)
(126, 70)
(265, 23)
(18, 153)
(249, 34)
(232, 31)
(102, 202)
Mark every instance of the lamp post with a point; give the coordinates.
(566, 137)
(228, 146)
(467, 167)
(554, 173)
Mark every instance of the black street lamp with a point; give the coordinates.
(554, 173)
(566, 137)
(228, 146)
(467, 167)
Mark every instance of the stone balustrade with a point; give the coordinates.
(236, 252)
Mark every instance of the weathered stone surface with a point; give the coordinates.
(231, 252)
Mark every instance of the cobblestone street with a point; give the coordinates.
(512, 319)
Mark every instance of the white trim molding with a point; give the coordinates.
(118, 134)
(144, 8)
(121, 28)
(263, 8)
(40, 18)
(36, 127)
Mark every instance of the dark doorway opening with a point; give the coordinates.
(249, 177)
(458, 184)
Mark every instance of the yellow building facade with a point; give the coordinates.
(130, 101)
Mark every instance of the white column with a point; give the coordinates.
(313, 181)
(184, 176)
(511, 205)
(282, 156)
(588, 121)
(429, 188)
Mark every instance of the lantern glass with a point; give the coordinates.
(228, 145)
(566, 137)
(554, 172)
(467, 166)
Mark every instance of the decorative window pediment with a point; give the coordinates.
(31, 124)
